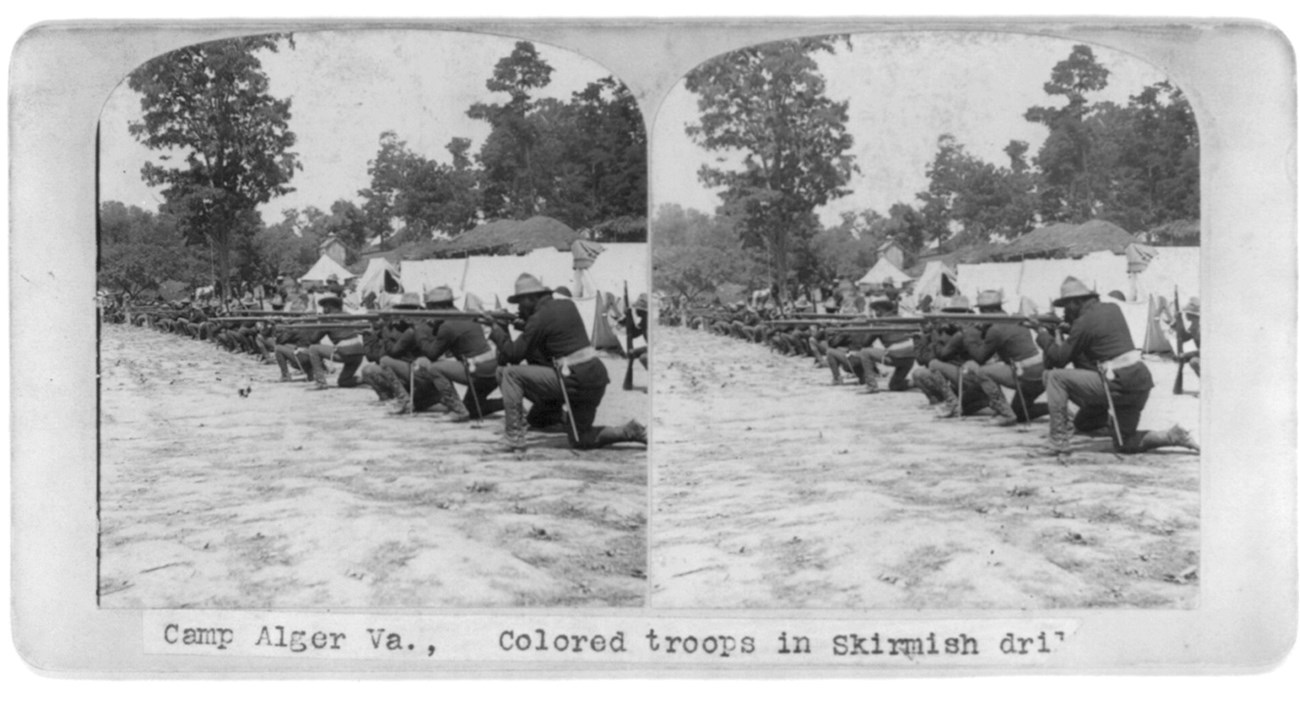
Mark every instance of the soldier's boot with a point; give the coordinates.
(1060, 430)
(322, 382)
(400, 401)
(516, 436)
(926, 382)
(870, 380)
(630, 432)
(459, 414)
(950, 405)
(1003, 414)
(1176, 436)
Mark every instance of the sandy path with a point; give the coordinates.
(774, 489)
(289, 498)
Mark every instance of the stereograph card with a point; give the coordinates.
(614, 347)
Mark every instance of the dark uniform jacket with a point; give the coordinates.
(455, 338)
(554, 330)
(1011, 342)
(1100, 333)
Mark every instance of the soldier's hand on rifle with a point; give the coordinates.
(970, 366)
(422, 363)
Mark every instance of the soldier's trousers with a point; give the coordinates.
(872, 357)
(1030, 388)
(423, 393)
(441, 374)
(541, 385)
(351, 355)
(842, 358)
(972, 396)
(1084, 388)
(287, 356)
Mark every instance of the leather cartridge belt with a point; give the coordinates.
(489, 355)
(1034, 361)
(1119, 362)
(576, 357)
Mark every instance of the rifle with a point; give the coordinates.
(627, 307)
(1178, 342)
(852, 321)
(878, 329)
(1046, 319)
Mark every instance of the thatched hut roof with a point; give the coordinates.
(1062, 240)
(502, 237)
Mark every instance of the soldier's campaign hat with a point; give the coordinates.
(1193, 307)
(957, 304)
(1072, 288)
(439, 295)
(331, 299)
(527, 284)
(332, 278)
(989, 298)
(408, 300)
(882, 305)
(642, 303)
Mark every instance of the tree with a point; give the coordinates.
(694, 254)
(511, 188)
(846, 250)
(1070, 183)
(208, 105)
(766, 106)
(425, 196)
(983, 199)
(139, 250)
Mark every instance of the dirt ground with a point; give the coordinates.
(773, 488)
(286, 498)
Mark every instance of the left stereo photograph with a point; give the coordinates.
(372, 314)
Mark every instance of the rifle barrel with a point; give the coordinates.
(878, 329)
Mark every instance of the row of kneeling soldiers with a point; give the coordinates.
(412, 362)
(963, 365)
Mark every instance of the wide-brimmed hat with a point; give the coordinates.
(331, 299)
(439, 295)
(642, 303)
(1072, 288)
(527, 284)
(988, 298)
(332, 278)
(407, 300)
(957, 304)
(882, 305)
(1193, 307)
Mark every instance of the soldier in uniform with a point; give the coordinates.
(555, 344)
(942, 354)
(1107, 373)
(347, 346)
(899, 351)
(1003, 354)
(457, 351)
(391, 348)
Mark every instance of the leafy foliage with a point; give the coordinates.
(766, 106)
(139, 250)
(695, 254)
(207, 107)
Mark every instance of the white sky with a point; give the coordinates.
(347, 88)
(904, 90)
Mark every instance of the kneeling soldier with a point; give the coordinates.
(555, 344)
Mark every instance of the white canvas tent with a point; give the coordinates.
(378, 276)
(932, 282)
(882, 270)
(491, 279)
(321, 271)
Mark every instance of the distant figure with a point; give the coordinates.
(1190, 331)
(585, 253)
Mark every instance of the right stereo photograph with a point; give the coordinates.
(927, 328)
